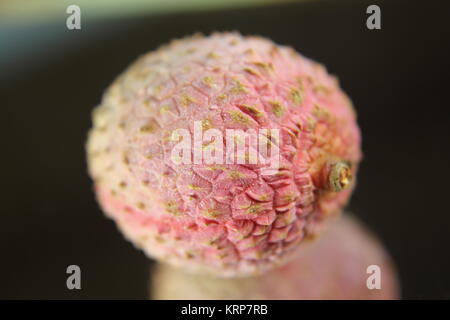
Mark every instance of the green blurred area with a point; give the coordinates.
(26, 11)
(33, 32)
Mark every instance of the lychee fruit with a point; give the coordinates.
(213, 208)
(333, 267)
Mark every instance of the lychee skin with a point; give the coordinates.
(227, 219)
(333, 267)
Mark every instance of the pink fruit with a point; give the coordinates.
(333, 267)
(228, 219)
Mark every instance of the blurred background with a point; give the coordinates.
(52, 77)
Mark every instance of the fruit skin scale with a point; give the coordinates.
(226, 219)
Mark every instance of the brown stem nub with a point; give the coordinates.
(339, 176)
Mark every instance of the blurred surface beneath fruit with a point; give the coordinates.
(334, 267)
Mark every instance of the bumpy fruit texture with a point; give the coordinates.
(333, 267)
(227, 219)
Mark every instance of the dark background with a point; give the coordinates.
(397, 77)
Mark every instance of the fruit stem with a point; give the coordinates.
(339, 176)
